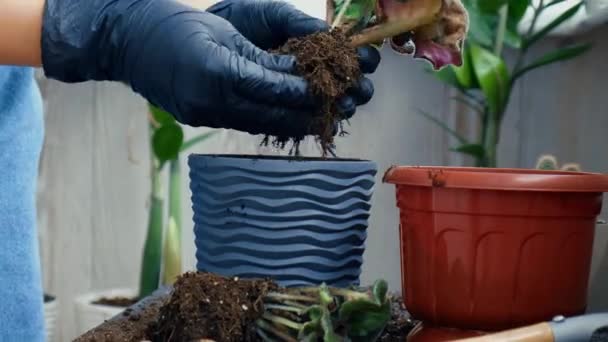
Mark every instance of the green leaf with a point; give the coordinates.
(517, 10)
(490, 6)
(444, 126)
(513, 38)
(167, 141)
(160, 116)
(448, 75)
(481, 26)
(464, 74)
(474, 150)
(560, 55)
(196, 140)
(364, 318)
(492, 75)
(380, 289)
(555, 23)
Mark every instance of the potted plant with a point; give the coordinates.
(301, 220)
(598, 280)
(492, 249)
(485, 82)
(161, 260)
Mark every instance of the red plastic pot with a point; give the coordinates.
(491, 249)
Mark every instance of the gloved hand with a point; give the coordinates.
(269, 24)
(191, 63)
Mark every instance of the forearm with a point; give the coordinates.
(20, 29)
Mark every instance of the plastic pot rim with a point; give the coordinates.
(279, 158)
(499, 179)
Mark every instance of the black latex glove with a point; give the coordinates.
(269, 24)
(193, 64)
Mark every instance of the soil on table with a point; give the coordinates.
(130, 326)
(331, 67)
(121, 302)
(400, 324)
(206, 306)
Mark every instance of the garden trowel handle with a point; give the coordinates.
(535, 333)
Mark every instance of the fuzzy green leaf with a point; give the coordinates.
(474, 150)
(380, 289)
(481, 28)
(167, 141)
(464, 74)
(160, 116)
(552, 25)
(364, 319)
(328, 327)
(492, 75)
(448, 75)
(517, 10)
(560, 55)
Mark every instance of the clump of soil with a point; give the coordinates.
(121, 302)
(331, 66)
(400, 323)
(206, 306)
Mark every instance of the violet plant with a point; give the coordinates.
(484, 81)
(162, 249)
(437, 28)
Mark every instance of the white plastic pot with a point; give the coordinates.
(51, 310)
(89, 315)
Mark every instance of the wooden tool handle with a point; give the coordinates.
(535, 333)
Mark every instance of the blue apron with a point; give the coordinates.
(21, 136)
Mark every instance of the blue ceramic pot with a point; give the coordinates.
(299, 221)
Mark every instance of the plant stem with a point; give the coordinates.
(151, 261)
(284, 308)
(172, 256)
(491, 139)
(283, 296)
(503, 15)
(282, 321)
(338, 20)
(271, 329)
(378, 33)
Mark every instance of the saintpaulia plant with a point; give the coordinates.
(162, 252)
(434, 30)
(325, 314)
(485, 81)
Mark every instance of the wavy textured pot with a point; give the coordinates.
(300, 221)
(491, 249)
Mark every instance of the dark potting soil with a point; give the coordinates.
(121, 302)
(206, 306)
(400, 324)
(130, 326)
(331, 67)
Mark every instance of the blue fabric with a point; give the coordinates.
(21, 135)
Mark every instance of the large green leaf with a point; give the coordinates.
(481, 25)
(562, 54)
(464, 74)
(167, 141)
(552, 25)
(490, 6)
(474, 150)
(517, 10)
(448, 75)
(492, 75)
(160, 116)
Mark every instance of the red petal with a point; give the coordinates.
(437, 54)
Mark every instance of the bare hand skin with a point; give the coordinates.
(20, 28)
